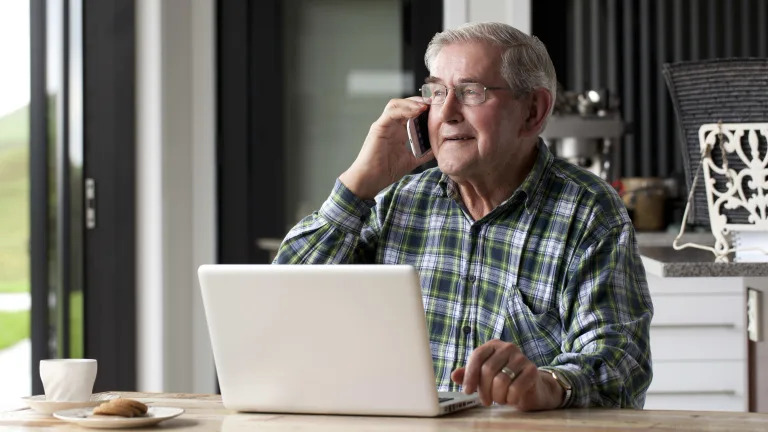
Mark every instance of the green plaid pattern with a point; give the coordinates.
(554, 269)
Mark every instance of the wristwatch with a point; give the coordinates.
(563, 382)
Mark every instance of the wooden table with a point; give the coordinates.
(206, 413)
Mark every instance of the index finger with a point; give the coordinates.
(400, 110)
(474, 366)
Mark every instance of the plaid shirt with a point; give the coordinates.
(554, 269)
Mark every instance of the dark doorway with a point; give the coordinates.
(260, 172)
(82, 167)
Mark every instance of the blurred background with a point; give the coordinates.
(140, 139)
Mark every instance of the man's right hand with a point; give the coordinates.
(385, 156)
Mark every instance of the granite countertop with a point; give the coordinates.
(667, 262)
(665, 238)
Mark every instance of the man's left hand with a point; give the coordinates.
(528, 389)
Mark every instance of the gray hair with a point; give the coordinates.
(525, 62)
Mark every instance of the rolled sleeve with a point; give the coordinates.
(345, 210)
(606, 352)
(336, 234)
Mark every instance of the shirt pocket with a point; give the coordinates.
(537, 334)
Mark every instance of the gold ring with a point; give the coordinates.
(509, 372)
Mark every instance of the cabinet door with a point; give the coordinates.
(698, 344)
(714, 377)
(696, 402)
(712, 310)
(681, 343)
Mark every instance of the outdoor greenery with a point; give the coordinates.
(14, 128)
(14, 222)
(15, 327)
(14, 219)
(14, 234)
(76, 324)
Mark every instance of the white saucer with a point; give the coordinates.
(84, 417)
(39, 404)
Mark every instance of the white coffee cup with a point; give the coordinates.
(68, 380)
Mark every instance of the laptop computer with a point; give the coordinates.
(322, 339)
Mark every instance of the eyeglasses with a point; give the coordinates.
(466, 93)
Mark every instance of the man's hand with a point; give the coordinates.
(385, 156)
(529, 390)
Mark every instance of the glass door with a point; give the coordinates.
(15, 299)
(55, 178)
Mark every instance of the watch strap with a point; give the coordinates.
(563, 382)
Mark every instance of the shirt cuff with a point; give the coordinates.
(345, 209)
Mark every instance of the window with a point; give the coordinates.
(15, 352)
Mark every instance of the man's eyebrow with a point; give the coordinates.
(431, 79)
(469, 80)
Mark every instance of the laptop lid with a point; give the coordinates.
(343, 339)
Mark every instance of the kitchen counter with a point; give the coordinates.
(665, 238)
(667, 262)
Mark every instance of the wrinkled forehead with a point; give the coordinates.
(463, 62)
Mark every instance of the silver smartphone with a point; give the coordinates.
(418, 134)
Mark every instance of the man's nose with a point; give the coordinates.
(450, 111)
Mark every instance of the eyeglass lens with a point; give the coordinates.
(466, 93)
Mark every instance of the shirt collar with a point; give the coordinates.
(534, 181)
(530, 187)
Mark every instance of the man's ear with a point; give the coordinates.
(539, 103)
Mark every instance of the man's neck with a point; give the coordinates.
(481, 195)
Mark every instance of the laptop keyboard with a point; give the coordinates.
(444, 399)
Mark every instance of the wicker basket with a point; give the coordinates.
(711, 91)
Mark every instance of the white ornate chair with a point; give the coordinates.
(737, 199)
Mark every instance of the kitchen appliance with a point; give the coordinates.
(584, 129)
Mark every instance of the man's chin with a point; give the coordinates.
(452, 168)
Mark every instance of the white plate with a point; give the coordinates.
(84, 417)
(39, 404)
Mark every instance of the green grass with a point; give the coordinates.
(76, 324)
(14, 128)
(14, 221)
(14, 203)
(15, 327)
(14, 234)
(19, 286)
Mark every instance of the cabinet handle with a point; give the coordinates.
(694, 393)
(698, 326)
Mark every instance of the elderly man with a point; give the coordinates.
(534, 292)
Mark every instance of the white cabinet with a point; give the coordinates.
(698, 344)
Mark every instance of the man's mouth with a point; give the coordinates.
(459, 138)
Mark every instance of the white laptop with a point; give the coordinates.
(323, 339)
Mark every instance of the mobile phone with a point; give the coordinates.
(418, 134)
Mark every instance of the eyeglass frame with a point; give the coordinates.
(459, 98)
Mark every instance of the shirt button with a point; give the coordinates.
(467, 330)
(471, 278)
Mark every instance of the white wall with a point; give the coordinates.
(176, 203)
(516, 13)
